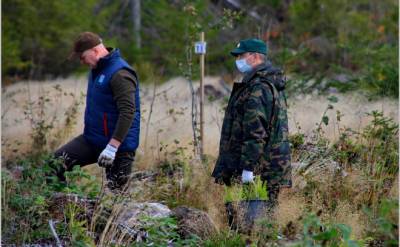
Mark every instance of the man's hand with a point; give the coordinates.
(107, 157)
(247, 176)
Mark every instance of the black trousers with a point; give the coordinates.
(80, 152)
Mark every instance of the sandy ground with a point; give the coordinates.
(171, 113)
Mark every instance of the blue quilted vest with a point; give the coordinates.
(101, 113)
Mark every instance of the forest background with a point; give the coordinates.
(341, 60)
(310, 39)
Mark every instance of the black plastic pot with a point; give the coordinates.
(243, 214)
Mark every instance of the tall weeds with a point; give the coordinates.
(335, 181)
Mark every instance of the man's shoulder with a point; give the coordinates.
(272, 76)
(124, 75)
(258, 85)
(125, 72)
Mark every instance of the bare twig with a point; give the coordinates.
(215, 118)
(196, 146)
(53, 231)
(105, 235)
(111, 229)
(149, 117)
(164, 91)
(98, 207)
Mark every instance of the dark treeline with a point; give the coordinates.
(351, 43)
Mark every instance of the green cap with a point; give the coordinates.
(250, 45)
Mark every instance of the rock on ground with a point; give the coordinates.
(194, 221)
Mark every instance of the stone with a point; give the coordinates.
(132, 212)
(194, 221)
(342, 78)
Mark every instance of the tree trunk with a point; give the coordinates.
(135, 5)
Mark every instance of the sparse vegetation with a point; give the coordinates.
(368, 157)
(345, 189)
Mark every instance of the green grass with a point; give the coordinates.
(256, 190)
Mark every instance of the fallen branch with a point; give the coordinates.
(53, 230)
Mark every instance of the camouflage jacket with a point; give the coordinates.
(254, 134)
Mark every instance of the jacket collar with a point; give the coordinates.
(250, 75)
(114, 53)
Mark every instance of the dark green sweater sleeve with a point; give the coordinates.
(123, 85)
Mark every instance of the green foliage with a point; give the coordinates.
(325, 118)
(370, 157)
(266, 231)
(81, 183)
(23, 214)
(47, 129)
(37, 35)
(233, 193)
(41, 126)
(348, 151)
(352, 37)
(310, 18)
(380, 72)
(175, 174)
(317, 234)
(146, 72)
(384, 223)
(168, 50)
(382, 153)
(25, 209)
(11, 50)
(256, 190)
(225, 239)
(310, 39)
(252, 191)
(163, 232)
(77, 228)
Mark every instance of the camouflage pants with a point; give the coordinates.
(273, 193)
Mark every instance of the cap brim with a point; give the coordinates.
(237, 52)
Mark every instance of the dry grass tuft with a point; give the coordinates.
(347, 214)
(290, 209)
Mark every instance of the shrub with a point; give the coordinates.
(317, 234)
(25, 209)
(383, 224)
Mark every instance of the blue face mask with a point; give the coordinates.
(243, 66)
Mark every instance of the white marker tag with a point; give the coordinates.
(200, 47)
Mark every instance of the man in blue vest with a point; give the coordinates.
(112, 114)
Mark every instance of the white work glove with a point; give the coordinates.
(107, 157)
(247, 176)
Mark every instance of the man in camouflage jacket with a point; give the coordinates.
(254, 136)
